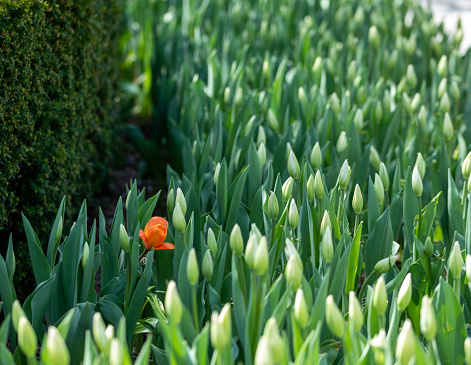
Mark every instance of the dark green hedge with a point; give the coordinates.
(59, 64)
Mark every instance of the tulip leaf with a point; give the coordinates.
(235, 192)
(80, 324)
(411, 209)
(37, 302)
(53, 242)
(111, 313)
(109, 262)
(373, 206)
(254, 172)
(146, 210)
(4, 328)
(131, 210)
(454, 207)
(353, 261)
(221, 193)
(115, 225)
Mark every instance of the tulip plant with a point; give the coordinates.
(318, 208)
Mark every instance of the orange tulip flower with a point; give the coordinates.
(153, 235)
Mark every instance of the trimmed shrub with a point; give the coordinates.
(58, 71)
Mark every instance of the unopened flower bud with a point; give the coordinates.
(293, 216)
(415, 102)
(325, 222)
(60, 226)
(383, 175)
(428, 247)
(327, 246)
(170, 201)
(220, 329)
(357, 202)
(406, 343)
(411, 77)
(422, 117)
(405, 293)
(455, 91)
(455, 262)
(294, 271)
(317, 67)
(417, 182)
(358, 120)
(445, 103)
(287, 188)
(275, 342)
(355, 314)
(293, 166)
(260, 257)
(236, 242)
(310, 188)
(374, 158)
(384, 265)
(180, 199)
(316, 156)
(428, 319)
(57, 352)
(387, 101)
(273, 121)
(178, 219)
(466, 167)
(420, 164)
(85, 253)
(123, 238)
(379, 343)
(261, 137)
(27, 337)
(378, 112)
(335, 103)
(442, 67)
(116, 352)
(262, 154)
(207, 265)
(352, 70)
(173, 303)
(16, 313)
(250, 248)
(301, 313)
(342, 143)
(302, 97)
(99, 334)
(109, 333)
(334, 317)
(318, 185)
(273, 207)
(442, 88)
(467, 351)
(380, 297)
(379, 188)
(344, 175)
(263, 354)
(406, 103)
(373, 37)
(212, 243)
(192, 269)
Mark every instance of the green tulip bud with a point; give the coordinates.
(358, 119)
(293, 166)
(392, 60)
(420, 164)
(325, 222)
(99, 334)
(455, 262)
(415, 102)
(383, 175)
(310, 188)
(334, 317)
(27, 337)
(342, 143)
(422, 117)
(318, 185)
(60, 226)
(262, 154)
(379, 343)
(116, 352)
(442, 67)
(360, 95)
(178, 219)
(192, 269)
(380, 297)
(355, 313)
(406, 102)
(455, 91)
(275, 342)
(85, 253)
(359, 16)
(273, 207)
(357, 202)
(417, 182)
(445, 103)
(352, 70)
(109, 333)
(263, 354)
(260, 257)
(378, 112)
(293, 216)
(294, 271)
(379, 188)
(273, 121)
(458, 37)
(207, 265)
(384, 265)
(57, 352)
(123, 238)
(236, 242)
(266, 68)
(17, 313)
(467, 351)
(335, 103)
(173, 303)
(181, 200)
(261, 137)
(344, 175)
(249, 125)
(288, 151)
(374, 158)
(406, 343)
(252, 244)
(466, 167)
(302, 97)
(317, 67)
(220, 328)
(373, 37)
(411, 77)
(428, 319)
(227, 95)
(170, 201)
(301, 313)
(405, 293)
(410, 45)
(316, 156)
(442, 88)
(212, 243)
(287, 188)
(428, 247)
(327, 247)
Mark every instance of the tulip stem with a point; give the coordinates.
(457, 288)
(195, 307)
(435, 352)
(365, 285)
(463, 196)
(143, 254)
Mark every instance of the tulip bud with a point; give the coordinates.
(420, 164)
(383, 175)
(354, 311)
(455, 91)
(170, 201)
(357, 202)
(99, 334)
(116, 352)
(288, 151)
(442, 67)
(263, 354)
(405, 293)
(406, 102)
(16, 313)
(109, 333)
(220, 329)
(317, 67)
(57, 352)
(335, 103)
(293, 166)
(378, 112)
(352, 70)
(384, 265)
(379, 343)
(287, 188)
(327, 247)
(380, 297)
(466, 167)
(302, 97)
(294, 271)
(467, 351)
(275, 342)
(212, 243)
(123, 238)
(342, 143)
(374, 158)
(422, 117)
(411, 77)
(260, 257)
(379, 188)
(60, 226)
(301, 313)
(359, 16)
(417, 182)
(428, 247)
(178, 219)
(192, 269)
(262, 154)
(261, 137)
(316, 156)
(406, 343)
(344, 175)
(334, 317)
(318, 185)
(373, 37)
(266, 68)
(236, 242)
(273, 207)
(455, 262)
(310, 188)
(358, 120)
(361, 95)
(252, 244)
(445, 103)
(325, 222)
(207, 265)
(387, 101)
(85, 253)
(442, 88)
(428, 319)
(173, 303)
(411, 45)
(181, 200)
(293, 216)
(415, 102)
(391, 62)
(27, 337)
(273, 121)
